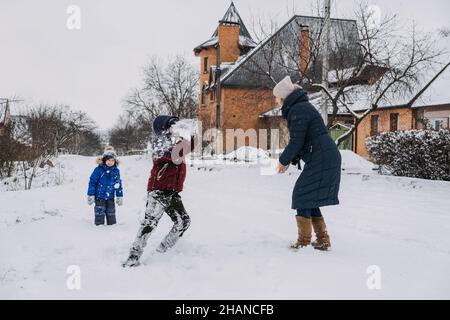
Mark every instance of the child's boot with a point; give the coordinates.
(132, 261)
(181, 224)
(111, 219)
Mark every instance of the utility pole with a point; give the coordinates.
(218, 101)
(6, 102)
(325, 56)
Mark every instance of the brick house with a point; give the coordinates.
(429, 108)
(238, 93)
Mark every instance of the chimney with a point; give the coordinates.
(304, 49)
(229, 41)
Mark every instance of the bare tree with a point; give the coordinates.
(168, 88)
(399, 60)
(129, 135)
(376, 60)
(40, 133)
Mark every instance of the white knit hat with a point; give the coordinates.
(284, 88)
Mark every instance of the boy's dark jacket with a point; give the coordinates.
(169, 169)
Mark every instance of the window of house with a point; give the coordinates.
(211, 95)
(374, 125)
(203, 96)
(205, 65)
(439, 123)
(394, 122)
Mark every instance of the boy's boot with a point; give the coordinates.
(132, 261)
(304, 232)
(111, 219)
(181, 224)
(322, 238)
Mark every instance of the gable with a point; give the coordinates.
(279, 52)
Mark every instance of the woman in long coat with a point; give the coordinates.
(318, 184)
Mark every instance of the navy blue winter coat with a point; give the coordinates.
(105, 182)
(318, 184)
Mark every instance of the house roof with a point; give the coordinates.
(252, 69)
(437, 91)
(434, 92)
(231, 17)
(315, 98)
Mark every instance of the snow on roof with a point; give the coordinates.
(357, 98)
(231, 17)
(438, 92)
(340, 74)
(316, 100)
(435, 92)
(243, 42)
(435, 87)
(275, 112)
(246, 42)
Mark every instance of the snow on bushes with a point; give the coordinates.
(417, 153)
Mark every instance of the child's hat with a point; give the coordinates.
(162, 123)
(109, 153)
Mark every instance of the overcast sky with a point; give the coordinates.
(94, 67)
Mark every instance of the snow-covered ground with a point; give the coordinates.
(236, 247)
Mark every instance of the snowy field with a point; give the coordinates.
(236, 247)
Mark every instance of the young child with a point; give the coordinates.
(104, 185)
(164, 185)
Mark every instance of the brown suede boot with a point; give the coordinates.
(304, 227)
(322, 238)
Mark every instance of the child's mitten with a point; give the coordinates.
(90, 200)
(119, 201)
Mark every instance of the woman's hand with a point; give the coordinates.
(281, 168)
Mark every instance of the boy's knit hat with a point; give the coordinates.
(284, 88)
(162, 123)
(109, 153)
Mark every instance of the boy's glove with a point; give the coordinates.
(90, 200)
(119, 201)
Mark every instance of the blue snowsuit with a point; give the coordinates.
(105, 184)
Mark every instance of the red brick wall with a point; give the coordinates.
(405, 122)
(229, 43)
